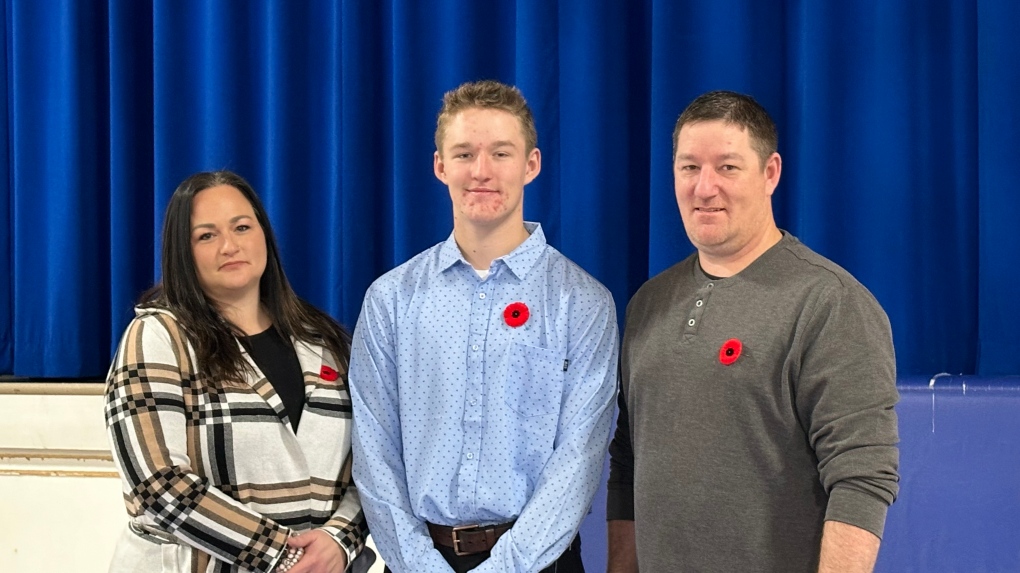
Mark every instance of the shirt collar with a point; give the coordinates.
(701, 276)
(519, 260)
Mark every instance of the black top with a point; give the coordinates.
(278, 360)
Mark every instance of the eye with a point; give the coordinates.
(462, 156)
(688, 167)
(502, 154)
(729, 167)
(204, 237)
(242, 227)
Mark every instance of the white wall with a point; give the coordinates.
(60, 501)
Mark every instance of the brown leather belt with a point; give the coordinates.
(468, 539)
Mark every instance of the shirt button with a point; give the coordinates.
(471, 456)
(690, 322)
(481, 295)
(474, 347)
(699, 303)
(473, 402)
(710, 285)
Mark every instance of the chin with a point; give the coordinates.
(713, 245)
(706, 239)
(238, 287)
(483, 218)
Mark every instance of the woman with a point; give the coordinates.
(227, 404)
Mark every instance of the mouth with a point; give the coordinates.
(231, 265)
(482, 190)
(708, 210)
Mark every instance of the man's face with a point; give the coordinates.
(484, 163)
(723, 191)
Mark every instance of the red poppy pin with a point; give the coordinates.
(328, 374)
(516, 314)
(730, 351)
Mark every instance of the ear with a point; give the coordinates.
(439, 167)
(533, 166)
(773, 170)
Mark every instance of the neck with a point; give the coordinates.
(482, 245)
(727, 265)
(246, 313)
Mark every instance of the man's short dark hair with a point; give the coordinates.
(737, 109)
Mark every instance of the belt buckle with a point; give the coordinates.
(456, 539)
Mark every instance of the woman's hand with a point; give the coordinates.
(322, 553)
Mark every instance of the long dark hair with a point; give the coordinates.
(209, 332)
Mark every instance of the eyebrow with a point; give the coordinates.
(212, 226)
(732, 155)
(723, 157)
(495, 144)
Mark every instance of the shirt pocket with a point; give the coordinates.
(534, 380)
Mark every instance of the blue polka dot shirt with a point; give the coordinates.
(481, 401)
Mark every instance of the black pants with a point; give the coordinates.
(569, 562)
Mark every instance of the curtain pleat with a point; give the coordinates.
(59, 157)
(897, 121)
(6, 207)
(994, 189)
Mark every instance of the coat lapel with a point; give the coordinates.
(258, 381)
(312, 359)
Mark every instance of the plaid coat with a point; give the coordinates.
(214, 478)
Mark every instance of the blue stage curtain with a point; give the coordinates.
(897, 118)
(6, 202)
(995, 187)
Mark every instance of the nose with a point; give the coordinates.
(482, 168)
(229, 245)
(707, 184)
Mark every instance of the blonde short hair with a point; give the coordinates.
(487, 94)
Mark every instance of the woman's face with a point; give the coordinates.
(228, 244)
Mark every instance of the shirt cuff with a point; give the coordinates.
(281, 554)
(620, 502)
(857, 508)
(349, 551)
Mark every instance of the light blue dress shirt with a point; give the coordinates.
(460, 418)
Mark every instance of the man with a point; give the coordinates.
(757, 430)
(483, 370)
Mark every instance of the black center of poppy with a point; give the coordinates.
(515, 313)
(729, 352)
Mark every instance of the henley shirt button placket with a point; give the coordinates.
(699, 308)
